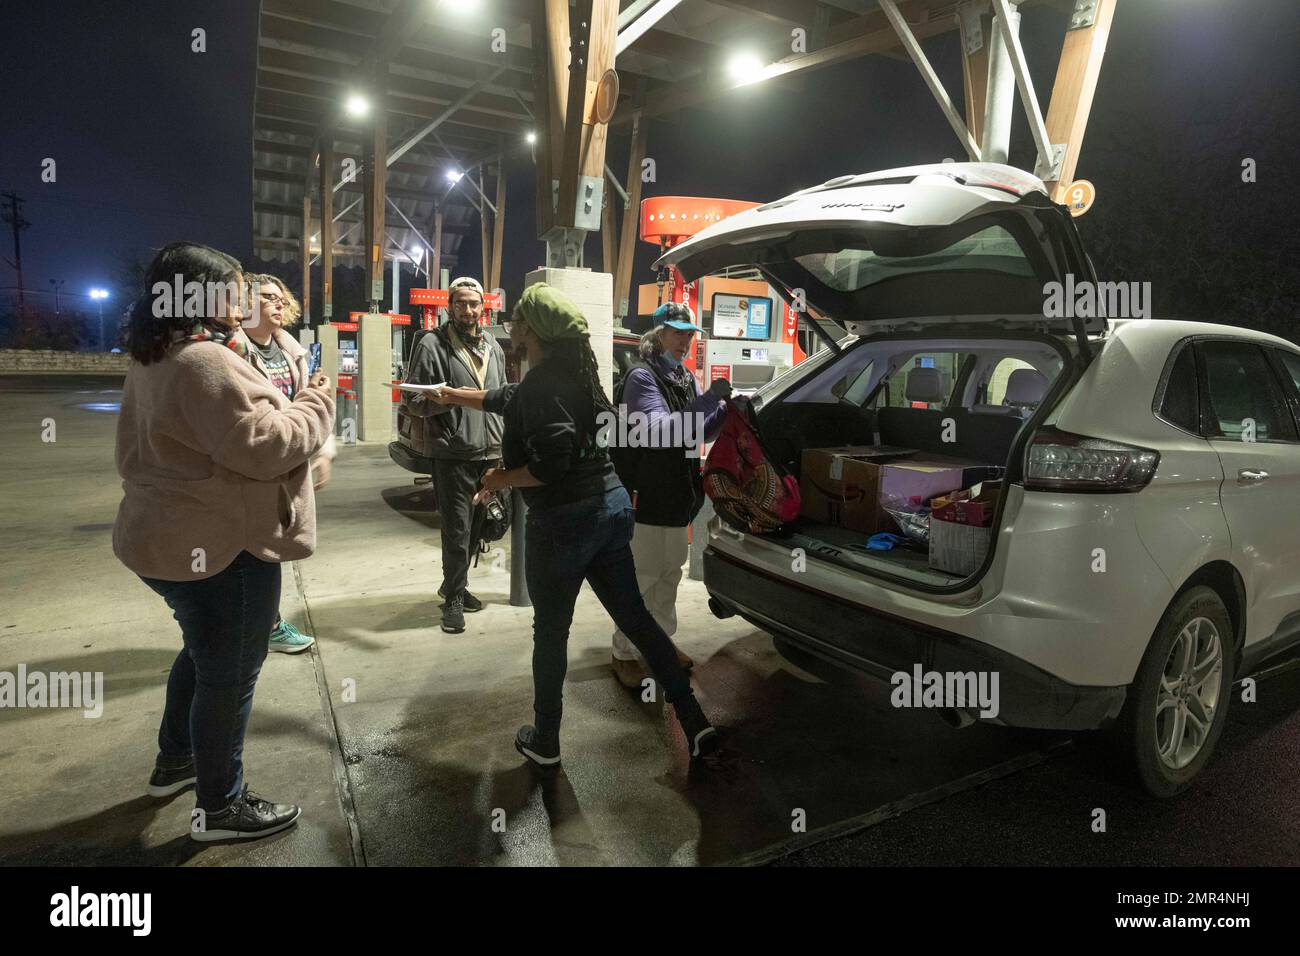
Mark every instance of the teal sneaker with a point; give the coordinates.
(287, 639)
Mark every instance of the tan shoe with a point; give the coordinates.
(683, 658)
(629, 673)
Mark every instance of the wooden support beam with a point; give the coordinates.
(436, 275)
(325, 185)
(305, 255)
(376, 181)
(485, 231)
(609, 235)
(579, 61)
(550, 87)
(498, 225)
(584, 137)
(631, 218)
(1076, 82)
(975, 76)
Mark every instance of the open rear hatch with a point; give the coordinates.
(952, 243)
(955, 252)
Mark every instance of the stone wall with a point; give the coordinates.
(51, 362)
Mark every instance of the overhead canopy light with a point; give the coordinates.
(745, 67)
(357, 105)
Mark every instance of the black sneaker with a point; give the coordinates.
(248, 817)
(164, 781)
(542, 749)
(453, 616)
(469, 601)
(701, 736)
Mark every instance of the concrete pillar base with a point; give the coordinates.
(375, 368)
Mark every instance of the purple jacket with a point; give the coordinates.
(641, 394)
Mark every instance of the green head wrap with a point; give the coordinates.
(550, 313)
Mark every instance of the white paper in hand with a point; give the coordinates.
(410, 387)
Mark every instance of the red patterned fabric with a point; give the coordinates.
(747, 490)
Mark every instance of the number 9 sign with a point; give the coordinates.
(1079, 196)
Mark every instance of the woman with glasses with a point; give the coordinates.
(580, 519)
(279, 356)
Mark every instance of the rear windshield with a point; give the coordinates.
(992, 249)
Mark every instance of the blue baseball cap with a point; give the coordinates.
(675, 316)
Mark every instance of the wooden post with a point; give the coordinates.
(1076, 82)
(498, 225)
(975, 79)
(631, 218)
(584, 139)
(436, 277)
(550, 91)
(485, 229)
(375, 186)
(327, 227)
(608, 236)
(306, 256)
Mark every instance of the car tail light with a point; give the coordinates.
(1061, 461)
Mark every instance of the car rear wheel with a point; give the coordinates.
(1178, 704)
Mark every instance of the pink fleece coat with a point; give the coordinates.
(214, 460)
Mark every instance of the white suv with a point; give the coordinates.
(1145, 553)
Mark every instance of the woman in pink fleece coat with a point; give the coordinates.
(216, 475)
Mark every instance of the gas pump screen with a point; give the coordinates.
(741, 317)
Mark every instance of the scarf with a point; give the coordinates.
(232, 339)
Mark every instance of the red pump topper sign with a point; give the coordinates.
(434, 299)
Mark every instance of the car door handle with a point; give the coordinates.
(1248, 476)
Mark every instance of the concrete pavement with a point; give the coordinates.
(395, 737)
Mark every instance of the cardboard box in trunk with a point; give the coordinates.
(846, 486)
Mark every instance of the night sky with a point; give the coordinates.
(153, 143)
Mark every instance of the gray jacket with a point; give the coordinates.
(461, 434)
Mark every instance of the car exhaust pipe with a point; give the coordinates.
(957, 719)
(720, 610)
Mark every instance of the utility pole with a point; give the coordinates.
(13, 214)
(58, 284)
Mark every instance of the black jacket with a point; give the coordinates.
(451, 431)
(669, 488)
(551, 427)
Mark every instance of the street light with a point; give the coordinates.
(453, 176)
(99, 295)
(531, 138)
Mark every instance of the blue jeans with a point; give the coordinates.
(588, 539)
(225, 620)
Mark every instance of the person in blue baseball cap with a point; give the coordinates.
(665, 475)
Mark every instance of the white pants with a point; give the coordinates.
(659, 554)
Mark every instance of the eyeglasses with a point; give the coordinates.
(271, 299)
